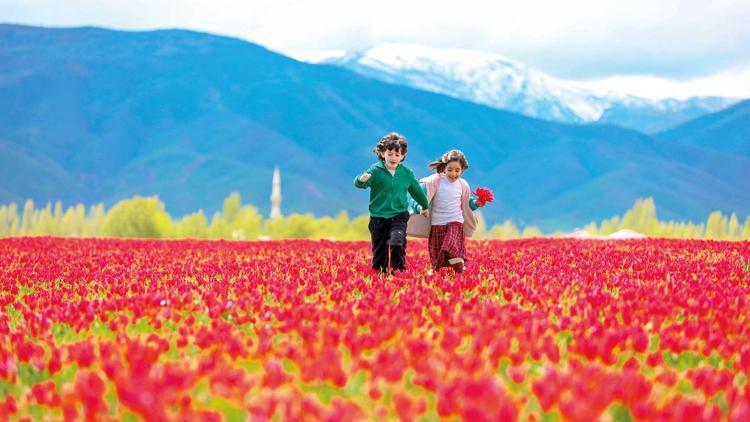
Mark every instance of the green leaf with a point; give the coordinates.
(620, 413)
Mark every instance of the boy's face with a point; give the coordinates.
(392, 158)
(453, 170)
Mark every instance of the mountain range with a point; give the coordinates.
(93, 115)
(502, 83)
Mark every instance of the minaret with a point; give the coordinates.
(276, 194)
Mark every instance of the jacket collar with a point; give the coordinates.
(381, 164)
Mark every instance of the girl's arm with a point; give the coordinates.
(473, 199)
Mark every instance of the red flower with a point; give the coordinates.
(484, 196)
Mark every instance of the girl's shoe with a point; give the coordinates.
(458, 267)
(457, 264)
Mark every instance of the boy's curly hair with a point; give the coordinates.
(391, 141)
(452, 155)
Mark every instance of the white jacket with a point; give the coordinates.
(420, 226)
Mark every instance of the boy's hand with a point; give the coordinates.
(365, 177)
(425, 213)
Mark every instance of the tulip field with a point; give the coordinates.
(533, 330)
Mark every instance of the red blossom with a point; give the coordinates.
(484, 196)
(168, 329)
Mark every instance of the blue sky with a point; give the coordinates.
(697, 45)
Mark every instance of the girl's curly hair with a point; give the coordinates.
(452, 155)
(391, 141)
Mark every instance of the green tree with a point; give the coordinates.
(27, 221)
(68, 224)
(642, 217)
(94, 222)
(194, 225)
(45, 223)
(733, 228)
(697, 231)
(340, 227)
(531, 231)
(232, 207)
(746, 229)
(507, 230)
(326, 228)
(4, 226)
(219, 228)
(58, 214)
(137, 217)
(481, 231)
(609, 226)
(716, 226)
(358, 228)
(14, 221)
(294, 226)
(591, 228)
(247, 223)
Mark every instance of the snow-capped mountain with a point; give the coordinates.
(502, 83)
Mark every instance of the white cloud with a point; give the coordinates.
(734, 82)
(575, 39)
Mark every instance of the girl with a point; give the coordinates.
(451, 217)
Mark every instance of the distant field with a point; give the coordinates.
(303, 330)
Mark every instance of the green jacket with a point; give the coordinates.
(388, 192)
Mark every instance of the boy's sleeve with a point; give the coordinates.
(416, 192)
(473, 203)
(414, 207)
(368, 183)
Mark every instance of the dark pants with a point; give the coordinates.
(389, 233)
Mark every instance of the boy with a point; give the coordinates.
(389, 181)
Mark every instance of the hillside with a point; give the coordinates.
(93, 115)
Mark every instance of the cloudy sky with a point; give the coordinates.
(660, 47)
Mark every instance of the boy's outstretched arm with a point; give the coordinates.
(415, 208)
(416, 192)
(363, 180)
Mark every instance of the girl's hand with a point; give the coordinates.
(425, 213)
(365, 177)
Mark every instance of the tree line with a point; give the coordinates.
(146, 217)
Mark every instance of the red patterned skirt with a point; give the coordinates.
(446, 242)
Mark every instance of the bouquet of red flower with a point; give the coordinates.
(484, 195)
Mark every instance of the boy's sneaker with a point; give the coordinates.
(457, 264)
(397, 273)
(377, 273)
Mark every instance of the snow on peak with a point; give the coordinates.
(496, 81)
(400, 53)
(486, 78)
(316, 56)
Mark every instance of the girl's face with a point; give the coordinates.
(453, 170)
(392, 158)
